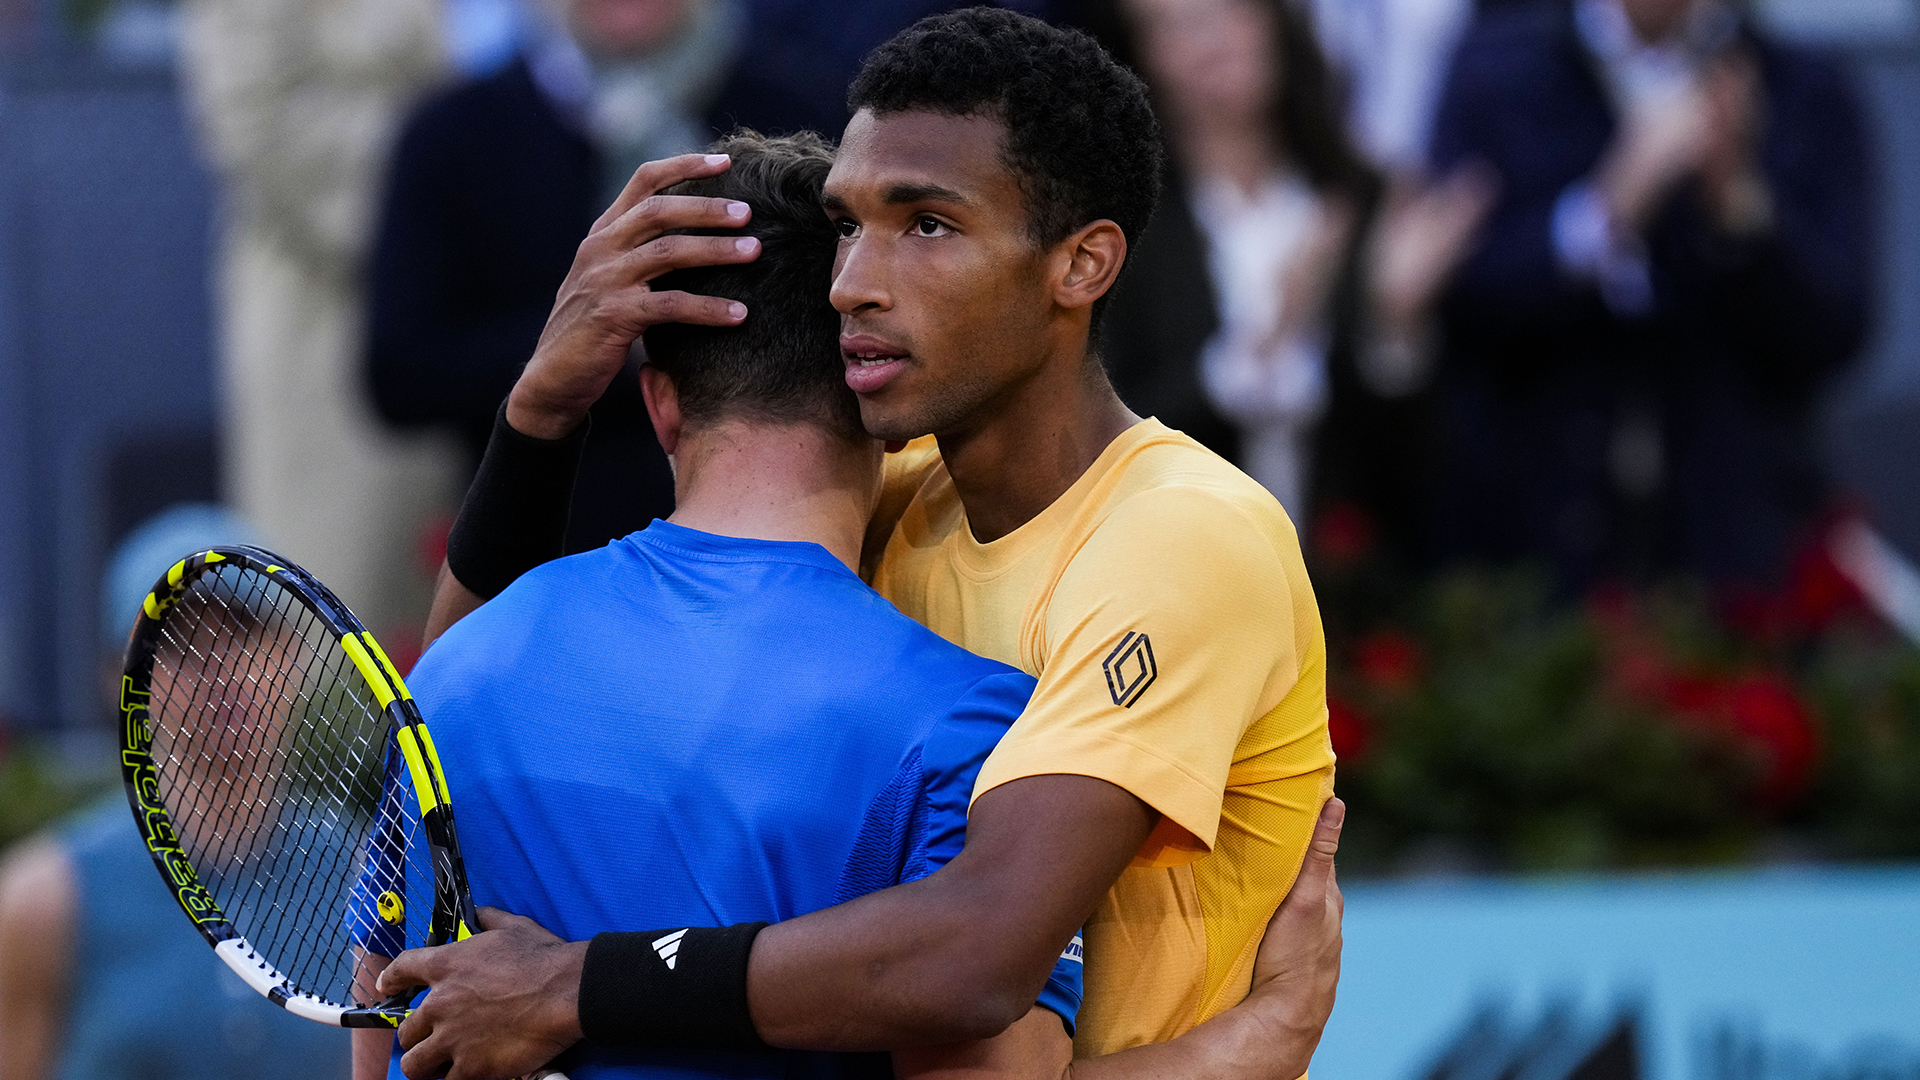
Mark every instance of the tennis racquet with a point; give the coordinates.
(286, 785)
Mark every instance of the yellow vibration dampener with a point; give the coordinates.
(391, 909)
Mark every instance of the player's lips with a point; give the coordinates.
(871, 362)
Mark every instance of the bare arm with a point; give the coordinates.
(372, 1047)
(452, 602)
(38, 898)
(1269, 1036)
(957, 956)
(961, 954)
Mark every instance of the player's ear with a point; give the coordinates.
(663, 406)
(1089, 261)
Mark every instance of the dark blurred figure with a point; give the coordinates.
(1223, 325)
(801, 54)
(1678, 260)
(493, 186)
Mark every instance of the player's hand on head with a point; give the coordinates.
(505, 1001)
(1297, 970)
(607, 299)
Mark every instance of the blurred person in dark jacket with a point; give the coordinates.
(493, 186)
(1222, 326)
(1678, 259)
(805, 52)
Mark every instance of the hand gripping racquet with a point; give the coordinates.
(286, 785)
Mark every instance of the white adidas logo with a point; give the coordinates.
(668, 947)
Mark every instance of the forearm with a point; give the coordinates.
(372, 1053)
(39, 894)
(962, 954)
(452, 602)
(901, 968)
(1262, 1038)
(372, 1048)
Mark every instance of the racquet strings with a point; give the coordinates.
(275, 761)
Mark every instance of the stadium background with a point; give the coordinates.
(1508, 915)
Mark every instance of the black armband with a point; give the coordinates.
(515, 514)
(670, 989)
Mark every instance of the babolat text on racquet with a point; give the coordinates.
(286, 785)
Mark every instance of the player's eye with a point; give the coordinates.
(926, 226)
(848, 229)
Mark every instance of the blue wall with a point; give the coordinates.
(1817, 970)
(105, 341)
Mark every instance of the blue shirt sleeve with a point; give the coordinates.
(950, 762)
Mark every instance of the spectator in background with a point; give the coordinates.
(1222, 325)
(494, 184)
(296, 102)
(101, 975)
(1677, 261)
(1393, 55)
(805, 52)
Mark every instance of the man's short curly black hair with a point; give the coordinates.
(1081, 134)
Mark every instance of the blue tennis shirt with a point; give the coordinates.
(689, 729)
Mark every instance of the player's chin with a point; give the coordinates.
(891, 420)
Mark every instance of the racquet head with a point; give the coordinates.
(285, 784)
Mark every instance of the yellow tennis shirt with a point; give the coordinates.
(1163, 605)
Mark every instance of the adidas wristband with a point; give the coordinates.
(515, 514)
(670, 989)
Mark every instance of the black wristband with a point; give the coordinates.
(670, 989)
(515, 514)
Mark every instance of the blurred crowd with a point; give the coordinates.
(1564, 289)
(1557, 282)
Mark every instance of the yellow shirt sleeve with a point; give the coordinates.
(1168, 633)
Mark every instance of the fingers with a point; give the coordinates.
(1314, 885)
(425, 1060)
(647, 308)
(417, 1027)
(1326, 832)
(1315, 882)
(657, 215)
(656, 257)
(655, 176)
(493, 918)
(415, 967)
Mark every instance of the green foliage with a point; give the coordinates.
(35, 790)
(1484, 716)
(1868, 691)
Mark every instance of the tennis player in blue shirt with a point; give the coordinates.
(714, 721)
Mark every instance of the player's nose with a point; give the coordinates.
(860, 278)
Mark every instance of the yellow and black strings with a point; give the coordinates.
(274, 759)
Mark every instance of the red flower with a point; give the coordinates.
(1350, 731)
(1343, 534)
(1819, 590)
(1388, 659)
(1761, 710)
(1764, 709)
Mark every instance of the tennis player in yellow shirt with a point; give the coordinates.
(1164, 782)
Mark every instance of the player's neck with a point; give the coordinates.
(766, 481)
(1031, 444)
